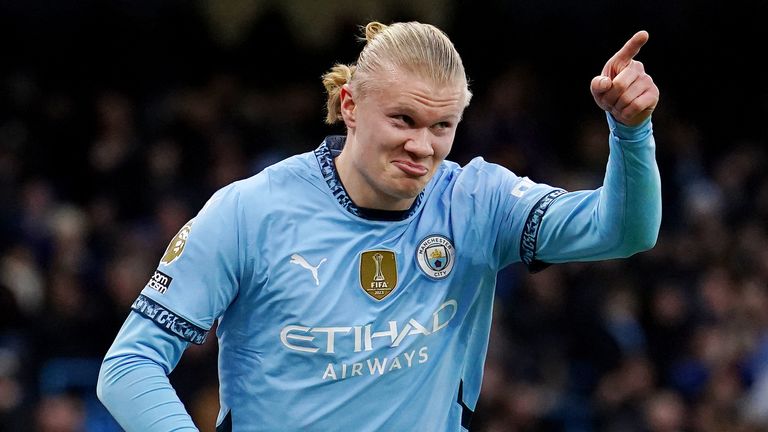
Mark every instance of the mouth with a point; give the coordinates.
(410, 168)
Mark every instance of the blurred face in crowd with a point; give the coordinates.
(399, 130)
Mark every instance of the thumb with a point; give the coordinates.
(600, 84)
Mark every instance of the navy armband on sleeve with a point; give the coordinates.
(168, 320)
(531, 232)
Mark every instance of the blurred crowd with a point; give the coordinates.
(97, 176)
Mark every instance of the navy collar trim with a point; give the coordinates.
(328, 150)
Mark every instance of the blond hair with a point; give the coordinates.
(413, 47)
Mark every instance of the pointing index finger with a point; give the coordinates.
(632, 47)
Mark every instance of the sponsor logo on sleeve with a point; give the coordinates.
(522, 187)
(160, 282)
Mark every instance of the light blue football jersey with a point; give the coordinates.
(330, 320)
(333, 317)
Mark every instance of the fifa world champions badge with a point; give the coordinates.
(435, 256)
(378, 273)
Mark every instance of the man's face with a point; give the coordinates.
(398, 134)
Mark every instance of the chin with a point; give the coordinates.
(408, 188)
(409, 193)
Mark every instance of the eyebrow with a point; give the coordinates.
(409, 110)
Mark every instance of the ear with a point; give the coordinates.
(347, 106)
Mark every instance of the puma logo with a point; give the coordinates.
(298, 259)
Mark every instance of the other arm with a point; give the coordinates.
(194, 283)
(623, 216)
(133, 382)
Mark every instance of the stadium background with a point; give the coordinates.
(118, 119)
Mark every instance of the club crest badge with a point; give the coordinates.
(435, 256)
(176, 247)
(378, 273)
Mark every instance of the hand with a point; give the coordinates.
(623, 88)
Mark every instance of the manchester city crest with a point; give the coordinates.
(435, 256)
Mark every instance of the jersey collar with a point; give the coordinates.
(325, 154)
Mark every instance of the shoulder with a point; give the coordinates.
(479, 166)
(275, 180)
(301, 166)
(484, 182)
(477, 172)
(255, 194)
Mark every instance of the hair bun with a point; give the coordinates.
(372, 29)
(333, 81)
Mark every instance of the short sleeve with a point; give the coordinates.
(197, 276)
(503, 211)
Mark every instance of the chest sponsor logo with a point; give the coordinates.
(378, 273)
(436, 256)
(393, 344)
(176, 247)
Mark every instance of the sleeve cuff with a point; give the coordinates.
(169, 321)
(530, 233)
(629, 133)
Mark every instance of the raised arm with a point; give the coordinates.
(623, 216)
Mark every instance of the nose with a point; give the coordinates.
(419, 144)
